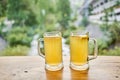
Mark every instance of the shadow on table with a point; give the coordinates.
(54, 75)
(79, 75)
(67, 75)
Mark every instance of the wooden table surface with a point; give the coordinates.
(32, 68)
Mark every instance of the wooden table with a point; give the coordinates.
(32, 68)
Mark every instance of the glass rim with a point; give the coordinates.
(79, 32)
(52, 33)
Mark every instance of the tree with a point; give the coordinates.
(3, 7)
(18, 10)
(64, 13)
(41, 9)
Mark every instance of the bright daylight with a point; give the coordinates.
(59, 39)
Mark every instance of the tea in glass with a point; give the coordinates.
(53, 50)
(79, 50)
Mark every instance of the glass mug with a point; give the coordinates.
(79, 50)
(53, 50)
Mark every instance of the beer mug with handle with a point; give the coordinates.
(79, 42)
(52, 49)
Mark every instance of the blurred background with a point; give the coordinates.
(23, 22)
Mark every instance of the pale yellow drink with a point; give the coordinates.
(79, 49)
(53, 50)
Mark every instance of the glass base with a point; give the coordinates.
(80, 67)
(54, 68)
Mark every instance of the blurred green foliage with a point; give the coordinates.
(109, 43)
(84, 21)
(36, 12)
(38, 16)
(102, 45)
(39, 12)
(19, 36)
(1, 27)
(15, 51)
(3, 7)
(112, 31)
(31, 17)
(111, 52)
(64, 12)
(66, 33)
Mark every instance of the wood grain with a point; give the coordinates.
(32, 68)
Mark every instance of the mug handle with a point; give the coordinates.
(95, 49)
(39, 51)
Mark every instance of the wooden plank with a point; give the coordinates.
(32, 68)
